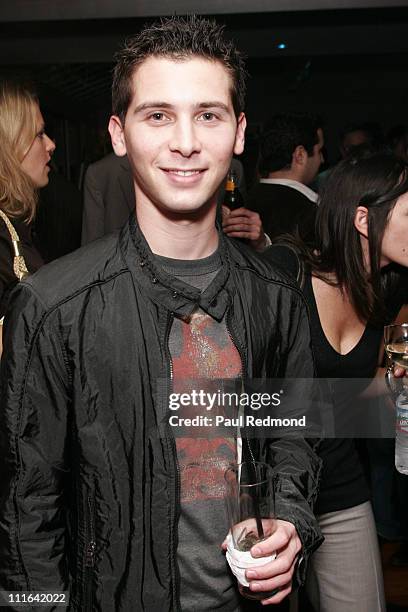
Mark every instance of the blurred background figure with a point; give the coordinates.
(109, 197)
(25, 153)
(397, 139)
(290, 158)
(354, 137)
(356, 134)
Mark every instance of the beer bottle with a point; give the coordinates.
(232, 198)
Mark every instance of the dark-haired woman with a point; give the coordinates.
(352, 284)
(25, 151)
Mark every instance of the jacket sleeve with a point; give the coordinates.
(34, 383)
(296, 461)
(93, 216)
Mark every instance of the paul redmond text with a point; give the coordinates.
(240, 421)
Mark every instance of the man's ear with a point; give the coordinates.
(117, 136)
(299, 156)
(240, 135)
(361, 221)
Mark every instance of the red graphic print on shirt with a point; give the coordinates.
(202, 349)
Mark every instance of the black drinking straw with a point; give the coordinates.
(258, 520)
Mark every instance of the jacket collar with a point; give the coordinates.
(169, 291)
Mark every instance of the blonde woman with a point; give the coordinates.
(25, 151)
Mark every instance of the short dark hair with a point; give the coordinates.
(282, 134)
(179, 38)
(374, 180)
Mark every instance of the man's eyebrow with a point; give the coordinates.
(214, 104)
(152, 104)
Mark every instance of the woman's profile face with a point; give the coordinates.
(394, 246)
(35, 161)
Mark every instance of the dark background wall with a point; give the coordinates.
(342, 90)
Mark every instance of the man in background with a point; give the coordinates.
(290, 158)
(358, 134)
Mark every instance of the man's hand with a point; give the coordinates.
(278, 573)
(244, 223)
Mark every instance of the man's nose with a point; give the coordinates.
(184, 138)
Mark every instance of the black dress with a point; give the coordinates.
(32, 258)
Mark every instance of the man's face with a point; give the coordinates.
(315, 160)
(351, 140)
(180, 133)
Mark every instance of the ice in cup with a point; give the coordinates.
(250, 506)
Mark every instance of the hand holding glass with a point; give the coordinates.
(250, 505)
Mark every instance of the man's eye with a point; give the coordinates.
(207, 116)
(157, 116)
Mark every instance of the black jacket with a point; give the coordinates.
(89, 497)
(283, 210)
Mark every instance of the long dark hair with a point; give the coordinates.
(374, 180)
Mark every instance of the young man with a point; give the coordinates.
(93, 498)
(290, 158)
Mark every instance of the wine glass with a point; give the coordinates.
(396, 347)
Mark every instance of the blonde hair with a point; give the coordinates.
(18, 105)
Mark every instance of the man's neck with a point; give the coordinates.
(187, 237)
(290, 175)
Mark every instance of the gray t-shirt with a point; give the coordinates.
(201, 347)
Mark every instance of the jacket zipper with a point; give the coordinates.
(242, 355)
(173, 448)
(89, 552)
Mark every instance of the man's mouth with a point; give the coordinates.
(182, 172)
